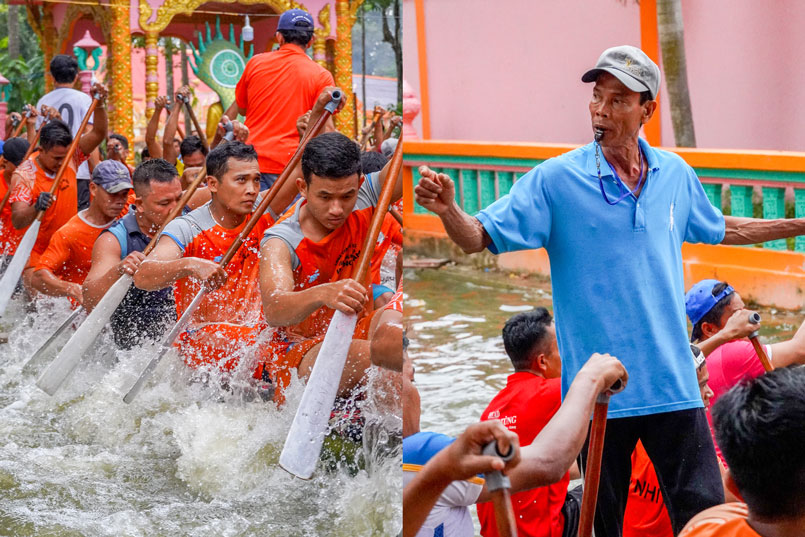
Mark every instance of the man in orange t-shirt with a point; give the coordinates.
(229, 318)
(308, 256)
(646, 513)
(13, 152)
(33, 179)
(61, 269)
(275, 89)
(758, 424)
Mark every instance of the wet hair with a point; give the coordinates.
(122, 139)
(218, 159)
(55, 133)
(190, 145)
(14, 150)
(524, 335)
(372, 161)
(145, 154)
(758, 426)
(714, 315)
(64, 69)
(299, 37)
(331, 155)
(156, 169)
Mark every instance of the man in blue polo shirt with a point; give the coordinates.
(612, 216)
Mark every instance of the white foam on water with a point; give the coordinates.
(184, 458)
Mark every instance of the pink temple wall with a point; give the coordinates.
(514, 74)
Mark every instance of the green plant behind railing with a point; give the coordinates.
(27, 79)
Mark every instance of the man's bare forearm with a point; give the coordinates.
(740, 230)
(465, 230)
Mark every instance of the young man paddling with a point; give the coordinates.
(32, 180)
(119, 250)
(61, 269)
(759, 428)
(229, 318)
(13, 152)
(308, 256)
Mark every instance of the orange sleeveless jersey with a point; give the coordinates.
(30, 180)
(236, 308)
(69, 253)
(9, 237)
(726, 520)
(645, 513)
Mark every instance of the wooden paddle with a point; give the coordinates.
(303, 444)
(167, 342)
(201, 135)
(83, 338)
(12, 274)
(498, 485)
(754, 318)
(592, 474)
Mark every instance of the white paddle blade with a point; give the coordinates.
(303, 444)
(14, 270)
(72, 352)
(46, 345)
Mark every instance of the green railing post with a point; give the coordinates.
(713, 192)
(469, 182)
(774, 207)
(741, 203)
(487, 180)
(799, 212)
(505, 182)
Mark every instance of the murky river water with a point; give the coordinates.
(181, 460)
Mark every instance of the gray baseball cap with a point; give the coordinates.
(112, 176)
(631, 66)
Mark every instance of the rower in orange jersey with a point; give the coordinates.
(188, 253)
(308, 256)
(13, 152)
(32, 180)
(61, 269)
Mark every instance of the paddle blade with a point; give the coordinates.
(46, 345)
(303, 444)
(12, 274)
(72, 352)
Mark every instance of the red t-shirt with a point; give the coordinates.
(9, 237)
(725, 520)
(525, 406)
(645, 510)
(275, 89)
(728, 365)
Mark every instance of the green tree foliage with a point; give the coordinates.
(26, 72)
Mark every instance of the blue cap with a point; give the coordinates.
(700, 300)
(295, 19)
(112, 176)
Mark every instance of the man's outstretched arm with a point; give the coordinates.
(741, 230)
(553, 451)
(436, 192)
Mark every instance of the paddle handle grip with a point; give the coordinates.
(754, 318)
(495, 480)
(504, 513)
(593, 472)
(194, 119)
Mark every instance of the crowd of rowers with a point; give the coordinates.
(754, 416)
(291, 274)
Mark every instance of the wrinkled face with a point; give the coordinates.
(617, 111)
(159, 200)
(237, 190)
(330, 201)
(115, 150)
(110, 205)
(52, 158)
(194, 160)
(703, 376)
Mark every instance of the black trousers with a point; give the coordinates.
(680, 447)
